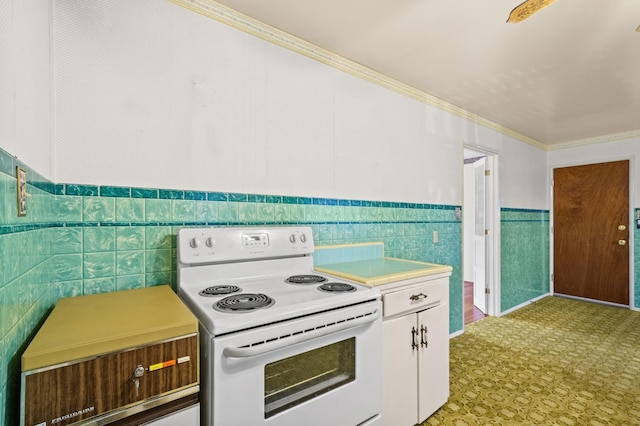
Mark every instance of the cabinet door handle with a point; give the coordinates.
(415, 297)
(414, 335)
(423, 336)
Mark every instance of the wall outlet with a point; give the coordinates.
(21, 177)
(435, 236)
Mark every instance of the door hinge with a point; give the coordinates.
(486, 232)
(487, 290)
(487, 172)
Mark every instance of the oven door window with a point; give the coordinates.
(294, 380)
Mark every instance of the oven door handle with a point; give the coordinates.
(283, 342)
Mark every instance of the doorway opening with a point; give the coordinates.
(481, 234)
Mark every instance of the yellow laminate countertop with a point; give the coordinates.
(86, 326)
(382, 270)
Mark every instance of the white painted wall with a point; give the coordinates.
(25, 121)
(522, 168)
(602, 152)
(153, 95)
(149, 94)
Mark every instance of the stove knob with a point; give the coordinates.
(194, 243)
(292, 238)
(303, 238)
(209, 242)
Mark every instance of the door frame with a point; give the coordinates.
(492, 222)
(632, 223)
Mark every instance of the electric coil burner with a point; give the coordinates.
(218, 290)
(306, 279)
(337, 287)
(245, 302)
(301, 347)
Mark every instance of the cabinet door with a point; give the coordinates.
(433, 365)
(400, 364)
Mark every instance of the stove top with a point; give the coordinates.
(265, 299)
(234, 279)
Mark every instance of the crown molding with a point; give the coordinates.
(595, 140)
(235, 19)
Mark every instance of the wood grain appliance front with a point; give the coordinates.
(75, 392)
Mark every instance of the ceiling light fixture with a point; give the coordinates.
(527, 8)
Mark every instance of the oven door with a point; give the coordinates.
(323, 369)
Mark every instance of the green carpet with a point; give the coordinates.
(555, 362)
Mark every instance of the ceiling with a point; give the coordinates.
(569, 73)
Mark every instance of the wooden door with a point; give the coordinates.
(590, 231)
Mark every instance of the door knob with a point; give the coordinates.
(622, 243)
(621, 227)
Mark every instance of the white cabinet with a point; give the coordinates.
(399, 378)
(416, 350)
(433, 362)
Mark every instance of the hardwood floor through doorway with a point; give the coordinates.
(471, 313)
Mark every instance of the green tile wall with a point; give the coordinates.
(27, 289)
(525, 256)
(524, 237)
(325, 255)
(84, 239)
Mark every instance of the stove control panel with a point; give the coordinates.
(198, 246)
(255, 240)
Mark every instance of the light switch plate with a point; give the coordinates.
(21, 176)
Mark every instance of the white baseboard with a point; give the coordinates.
(522, 305)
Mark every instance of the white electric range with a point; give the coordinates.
(281, 344)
